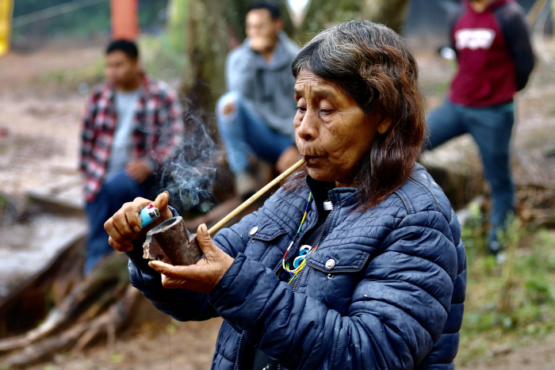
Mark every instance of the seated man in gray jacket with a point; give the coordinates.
(256, 115)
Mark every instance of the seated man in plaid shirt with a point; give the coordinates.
(131, 125)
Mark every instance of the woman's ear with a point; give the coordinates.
(384, 125)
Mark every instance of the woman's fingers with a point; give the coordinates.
(204, 275)
(161, 202)
(120, 229)
(205, 241)
(113, 232)
(119, 246)
(125, 225)
(166, 269)
(195, 277)
(134, 221)
(132, 211)
(122, 224)
(170, 283)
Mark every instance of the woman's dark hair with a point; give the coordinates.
(129, 48)
(373, 65)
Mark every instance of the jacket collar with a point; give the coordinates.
(339, 197)
(346, 197)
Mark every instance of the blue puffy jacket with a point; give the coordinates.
(384, 290)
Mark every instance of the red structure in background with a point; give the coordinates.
(125, 19)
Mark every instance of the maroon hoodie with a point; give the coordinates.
(494, 53)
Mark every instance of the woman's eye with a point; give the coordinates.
(325, 111)
(301, 109)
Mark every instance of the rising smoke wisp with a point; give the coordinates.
(190, 176)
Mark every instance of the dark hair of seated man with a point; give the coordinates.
(271, 7)
(129, 48)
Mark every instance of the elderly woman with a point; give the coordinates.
(357, 261)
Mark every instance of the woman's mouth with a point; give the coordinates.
(311, 159)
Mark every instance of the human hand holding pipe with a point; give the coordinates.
(194, 274)
(184, 269)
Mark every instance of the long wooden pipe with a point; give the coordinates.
(214, 229)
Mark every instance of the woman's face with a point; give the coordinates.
(332, 132)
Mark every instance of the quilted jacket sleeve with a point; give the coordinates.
(181, 304)
(397, 312)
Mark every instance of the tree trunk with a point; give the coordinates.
(322, 14)
(205, 31)
(392, 13)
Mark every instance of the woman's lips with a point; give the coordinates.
(311, 160)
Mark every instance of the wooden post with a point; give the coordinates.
(6, 8)
(125, 19)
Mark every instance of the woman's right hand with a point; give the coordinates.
(124, 226)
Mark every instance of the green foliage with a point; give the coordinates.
(117, 358)
(90, 74)
(160, 59)
(531, 286)
(84, 22)
(441, 88)
(538, 290)
(172, 327)
(157, 57)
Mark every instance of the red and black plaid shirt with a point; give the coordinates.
(158, 129)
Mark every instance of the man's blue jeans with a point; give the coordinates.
(116, 190)
(243, 132)
(491, 128)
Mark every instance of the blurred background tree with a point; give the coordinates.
(205, 31)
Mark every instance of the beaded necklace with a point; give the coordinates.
(299, 262)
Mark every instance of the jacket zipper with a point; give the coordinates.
(239, 351)
(317, 243)
(301, 273)
(276, 269)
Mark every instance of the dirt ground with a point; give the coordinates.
(42, 147)
(42, 120)
(148, 347)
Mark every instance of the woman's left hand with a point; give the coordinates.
(201, 277)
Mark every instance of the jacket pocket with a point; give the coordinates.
(341, 260)
(265, 230)
(265, 244)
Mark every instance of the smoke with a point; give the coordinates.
(189, 177)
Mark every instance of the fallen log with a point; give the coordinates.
(82, 334)
(107, 277)
(27, 302)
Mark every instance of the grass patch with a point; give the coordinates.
(157, 58)
(528, 295)
(91, 74)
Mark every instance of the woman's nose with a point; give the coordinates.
(307, 130)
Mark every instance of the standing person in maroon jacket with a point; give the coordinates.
(495, 60)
